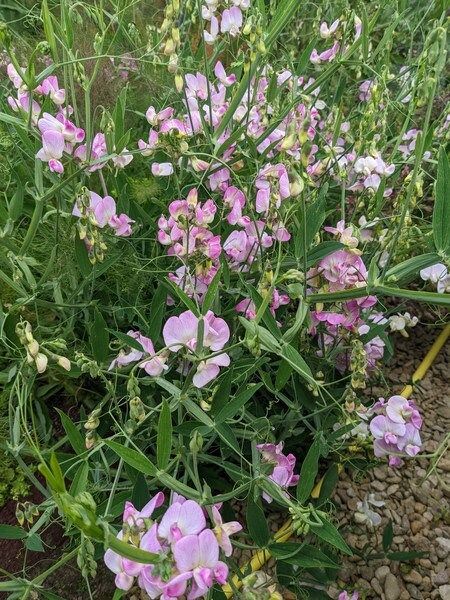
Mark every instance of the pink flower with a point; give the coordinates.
(223, 530)
(52, 150)
(50, 87)
(199, 555)
(122, 160)
(283, 472)
(182, 331)
(382, 428)
(162, 169)
(325, 56)
(211, 36)
(231, 21)
(115, 563)
(342, 269)
(221, 75)
(325, 31)
(121, 224)
(147, 148)
(434, 273)
(180, 520)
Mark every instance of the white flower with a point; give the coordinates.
(434, 273)
(364, 514)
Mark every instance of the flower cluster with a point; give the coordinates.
(101, 212)
(181, 335)
(283, 466)
(344, 321)
(395, 428)
(187, 234)
(228, 21)
(187, 548)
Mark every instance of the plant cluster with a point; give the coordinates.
(208, 271)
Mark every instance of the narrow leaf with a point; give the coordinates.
(257, 524)
(164, 438)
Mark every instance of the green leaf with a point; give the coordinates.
(157, 310)
(79, 481)
(75, 438)
(302, 311)
(222, 395)
(405, 555)
(257, 524)
(211, 292)
(329, 482)
(303, 556)
(230, 409)
(34, 543)
(308, 472)
(140, 495)
(283, 375)
(48, 30)
(330, 534)
(388, 536)
(164, 438)
(441, 211)
(174, 289)
(99, 337)
(135, 459)
(12, 532)
(297, 363)
(81, 256)
(408, 270)
(15, 208)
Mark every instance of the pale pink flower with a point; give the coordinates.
(121, 224)
(50, 87)
(211, 36)
(162, 169)
(199, 555)
(325, 31)
(221, 75)
(231, 21)
(180, 520)
(223, 530)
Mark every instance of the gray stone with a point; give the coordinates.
(444, 592)
(413, 577)
(444, 543)
(381, 573)
(392, 588)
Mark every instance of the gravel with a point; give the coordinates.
(416, 496)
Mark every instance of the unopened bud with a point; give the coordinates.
(41, 362)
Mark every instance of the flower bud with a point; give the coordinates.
(64, 363)
(41, 362)
(33, 348)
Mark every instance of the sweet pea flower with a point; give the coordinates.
(346, 596)
(147, 148)
(53, 145)
(382, 428)
(221, 75)
(22, 102)
(325, 31)
(162, 169)
(435, 273)
(223, 530)
(231, 21)
(325, 56)
(364, 514)
(115, 563)
(182, 331)
(121, 224)
(199, 556)
(443, 285)
(211, 36)
(50, 87)
(345, 234)
(123, 159)
(180, 520)
(342, 269)
(401, 410)
(283, 472)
